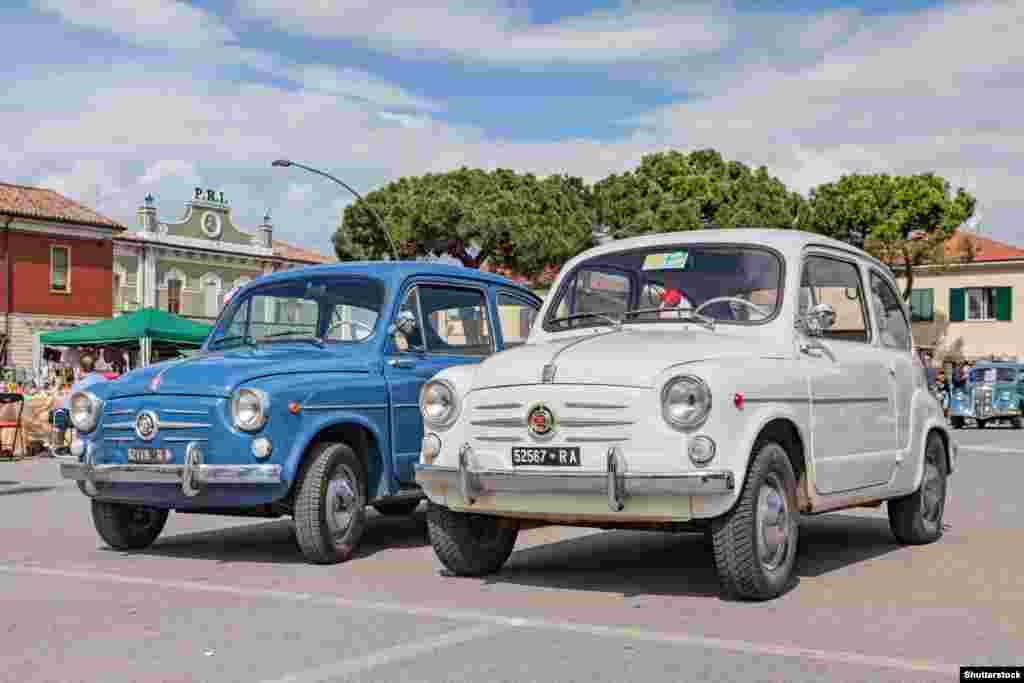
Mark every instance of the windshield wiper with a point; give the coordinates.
(684, 314)
(291, 333)
(603, 316)
(223, 340)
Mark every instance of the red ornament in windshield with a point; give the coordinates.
(672, 297)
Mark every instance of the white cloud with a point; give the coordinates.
(356, 84)
(170, 168)
(150, 23)
(499, 32)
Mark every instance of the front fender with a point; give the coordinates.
(313, 428)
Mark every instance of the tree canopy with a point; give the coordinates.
(904, 221)
(672, 191)
(518, 222)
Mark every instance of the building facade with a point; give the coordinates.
(972, 310)
(57, 268)
(189, 265)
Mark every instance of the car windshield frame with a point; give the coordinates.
(605, 263)
(228, 313)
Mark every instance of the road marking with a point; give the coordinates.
(390, 655)
(482, 618)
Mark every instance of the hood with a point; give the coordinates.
(218, 373)
(629, 357)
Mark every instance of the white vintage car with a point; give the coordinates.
(717, 381)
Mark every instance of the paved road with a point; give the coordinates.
(221, 599)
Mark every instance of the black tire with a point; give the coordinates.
(469, 544)
(127, 527)
(400, 508)
(917, 518)
(1016, 422)
(957, 422)
(742, 569)
(980, 424)
(335, 476)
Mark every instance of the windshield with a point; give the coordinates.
(730, 284)
(992, 375)
(331, 309)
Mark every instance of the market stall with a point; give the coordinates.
(154, 334)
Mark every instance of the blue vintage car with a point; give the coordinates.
(304, 401)
(994, 392)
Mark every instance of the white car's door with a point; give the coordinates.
(852, 429)
(895, 343)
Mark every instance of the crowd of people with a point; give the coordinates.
(944, 385)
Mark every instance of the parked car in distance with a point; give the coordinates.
(303, 401)
(717, 381)
(994, 392)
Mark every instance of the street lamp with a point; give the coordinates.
(284, 163)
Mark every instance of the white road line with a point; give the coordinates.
(390, 655)
(744, 646)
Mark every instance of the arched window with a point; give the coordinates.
(174, 283)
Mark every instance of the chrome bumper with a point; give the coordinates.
(188, 477)
(614, 481)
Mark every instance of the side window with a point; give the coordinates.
(592, 291)
(410, 305)
(456, 321)
(516, 317)
(838, 284)
(893, 328)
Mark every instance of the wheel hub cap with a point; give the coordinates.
(772, 525)
(931, 492)
(341, 499)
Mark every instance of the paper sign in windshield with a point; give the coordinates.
(675, 259)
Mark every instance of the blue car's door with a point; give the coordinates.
(453, 327)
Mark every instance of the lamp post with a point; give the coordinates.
(284, 163)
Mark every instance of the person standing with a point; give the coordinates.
(89, 377)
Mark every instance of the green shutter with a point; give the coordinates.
(929, 304)
(1004, 303)
(922, 304)
(956, 305)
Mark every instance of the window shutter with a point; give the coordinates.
(929, 304)
(1004, 303)
(956, 305)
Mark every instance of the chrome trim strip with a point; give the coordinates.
(118, 412)
(172, 474)
(596, 439)
(483, 482)
(827, 401)
(162, 424)
(499, 406)
(340, 406)
(499, 422)
(405, 405)
(595, 406)
(185, 439)
(183, 412)
(572, 422)
(118, 438)
(505, 439)
(120, 425)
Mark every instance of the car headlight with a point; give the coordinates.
(84, 411)
(439, 403)
(685, 402)
(250, 409)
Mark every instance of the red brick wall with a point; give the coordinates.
(91, 294)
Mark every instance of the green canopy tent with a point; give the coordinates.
(143, 327)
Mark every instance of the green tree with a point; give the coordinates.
(904, 221)
(672, 191)
(518, 222)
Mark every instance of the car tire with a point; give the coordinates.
(755, 543)
(469, 544)
(127, 527)
(917, 518)
(1016, 422)
(330, 505)
(956, 422)
(397, 508)
(980, 424)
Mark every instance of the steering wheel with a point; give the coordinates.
(733, 299)
(352, 323)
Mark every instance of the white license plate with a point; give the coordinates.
(149, 456)
(547, 456)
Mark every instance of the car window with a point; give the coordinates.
(593, 291)
(456, 320)
(516, 317)
(893, 329)
(837, 283)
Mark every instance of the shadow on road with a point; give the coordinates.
(26, 489)
(636, 563)
(274, 541)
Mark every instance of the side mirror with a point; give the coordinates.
(821, 317)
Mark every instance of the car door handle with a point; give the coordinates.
(407, 363)
(892, 370)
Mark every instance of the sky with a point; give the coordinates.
(107, 102)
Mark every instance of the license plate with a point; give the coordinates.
(547, 456)
(149, 456)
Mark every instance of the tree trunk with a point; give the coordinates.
(908, 270)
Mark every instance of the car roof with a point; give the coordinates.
(790, 242)
(394, 272)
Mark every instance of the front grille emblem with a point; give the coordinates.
(540, 420)
(547, 375)
(147, 425)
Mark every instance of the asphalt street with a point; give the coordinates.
(224, 599)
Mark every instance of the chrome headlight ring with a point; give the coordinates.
(685, 402)
(250, 409)
(439, 403)
(84, 411)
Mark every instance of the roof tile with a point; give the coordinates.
(44, 204)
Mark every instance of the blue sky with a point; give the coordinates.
(107, 104)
